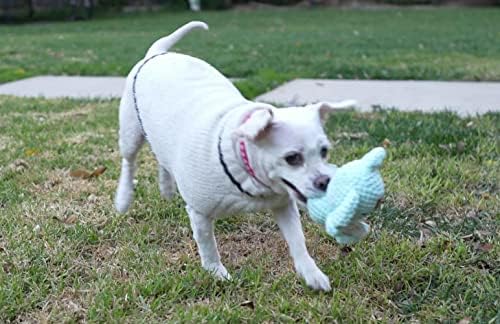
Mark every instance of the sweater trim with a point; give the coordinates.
(226, 170)
(134, 93)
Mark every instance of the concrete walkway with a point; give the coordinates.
(428, 96)
(78, 87)
(65, 86)
(463, 97)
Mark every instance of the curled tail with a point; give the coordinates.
(163, 44)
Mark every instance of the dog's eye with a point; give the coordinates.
(324, 152)
(294, 159)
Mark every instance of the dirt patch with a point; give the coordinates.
(42, 117)
(70, 304)
(81, 111)
(62, 196)
(252, 242)
(81, 138)
(400, 200)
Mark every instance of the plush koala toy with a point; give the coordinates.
(354, 190)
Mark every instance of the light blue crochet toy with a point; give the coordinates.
(354, 190)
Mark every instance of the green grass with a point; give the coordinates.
(67, 256)
(270, 46)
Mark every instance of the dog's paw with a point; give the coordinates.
(122, 201)
(124, 195)
(219, 271)
(315, 279)
(318, 281)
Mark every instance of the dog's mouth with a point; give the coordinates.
(298, 194)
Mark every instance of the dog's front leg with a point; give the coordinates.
(203, 232)
(288, 219)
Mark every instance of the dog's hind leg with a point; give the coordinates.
(131, 140)
(167, 183)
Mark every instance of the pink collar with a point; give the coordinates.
(244, 156)
(246, 163)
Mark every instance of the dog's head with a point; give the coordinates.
(291, 147)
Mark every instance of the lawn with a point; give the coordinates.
(269, 46)
(67, 256)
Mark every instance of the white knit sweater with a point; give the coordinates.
(198, 104)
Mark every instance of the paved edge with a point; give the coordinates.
(462, 97)
(77, 87)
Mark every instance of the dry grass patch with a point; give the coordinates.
(254, 244)
(6, 142)
(71, 200)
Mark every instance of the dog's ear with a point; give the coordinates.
(325, 108)
(255, 125)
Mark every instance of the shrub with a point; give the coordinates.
(215, 4)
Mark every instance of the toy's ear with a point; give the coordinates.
(375, 157)
(255, 125)
(325, 108)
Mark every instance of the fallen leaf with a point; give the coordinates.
(485, 247)
(70, 220)
(470, 124)
(31, 152)
(386, 143)
(83, 174)
(97, 172)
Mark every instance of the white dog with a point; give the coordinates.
(225, 154)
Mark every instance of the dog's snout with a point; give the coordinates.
(321, 182)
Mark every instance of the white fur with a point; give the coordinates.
(185, 105)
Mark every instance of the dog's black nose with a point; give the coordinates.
(321, 182)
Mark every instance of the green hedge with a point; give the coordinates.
(215, 4)
(409, 2)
